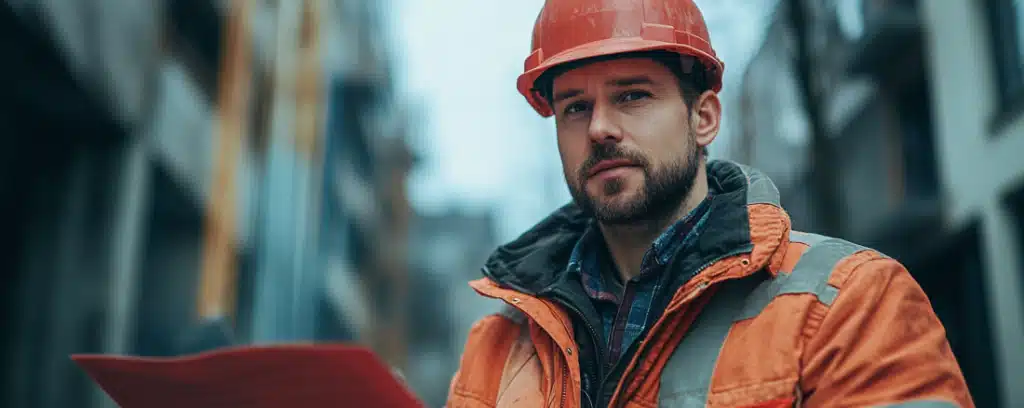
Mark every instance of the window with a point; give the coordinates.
(1006, 19)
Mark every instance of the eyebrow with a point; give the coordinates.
(630, 81)
(566, 94)
(617, 82)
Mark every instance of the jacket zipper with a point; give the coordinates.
(593, 332)
(593, 336)
(565, 384)
(643, 347)
(618, 360)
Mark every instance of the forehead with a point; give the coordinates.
(604, 73)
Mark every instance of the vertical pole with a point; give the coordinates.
(129, 233)
(273, 320)
(218, 275)
(130, 225)
(308, 282)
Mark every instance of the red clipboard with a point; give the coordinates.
(307, 376)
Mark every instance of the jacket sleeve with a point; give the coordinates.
(881, 344)
(478, 378)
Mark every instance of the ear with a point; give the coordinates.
(706, 118)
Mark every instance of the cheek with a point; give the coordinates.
(668, 159)
(668, 144)
(573, 155)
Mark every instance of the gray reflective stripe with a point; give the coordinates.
(921, 404)
(812, 271)
(806, 238)
(687, 375)
(810, 275)
(686, 379)
(760, 189)
(513, 314)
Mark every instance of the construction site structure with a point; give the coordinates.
(175, 162)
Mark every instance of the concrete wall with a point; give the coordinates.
(980, 162)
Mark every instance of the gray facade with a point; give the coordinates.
(980, 139)
(111, 122)
(926, 152)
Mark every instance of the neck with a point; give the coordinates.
(628, 243)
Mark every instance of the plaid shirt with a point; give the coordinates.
(626, 311)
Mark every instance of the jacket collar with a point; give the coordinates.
(745, 218)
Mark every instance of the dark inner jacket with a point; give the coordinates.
(535, 264)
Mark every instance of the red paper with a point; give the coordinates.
(319, 376)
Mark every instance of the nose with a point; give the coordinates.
(604, 128)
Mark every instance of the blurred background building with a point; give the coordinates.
(115, 160)
(377, 163)
(912, 111)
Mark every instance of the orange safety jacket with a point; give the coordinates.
(777, 318)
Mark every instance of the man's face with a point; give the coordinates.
(624, 134)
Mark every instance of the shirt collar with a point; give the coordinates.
(585, 253)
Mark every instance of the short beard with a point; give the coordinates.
(663, 190)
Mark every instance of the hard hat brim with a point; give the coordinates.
(619, 45)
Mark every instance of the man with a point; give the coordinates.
(671, 281)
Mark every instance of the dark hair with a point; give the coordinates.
(692, 82)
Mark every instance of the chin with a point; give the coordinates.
(618, 213)
(620, 200)
(616, 190)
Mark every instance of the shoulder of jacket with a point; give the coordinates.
(829, 261)
(825, 251)
(820, 269)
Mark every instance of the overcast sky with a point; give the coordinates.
(482, 145)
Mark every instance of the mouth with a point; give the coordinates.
(609, 165)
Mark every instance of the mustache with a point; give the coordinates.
(608, 151)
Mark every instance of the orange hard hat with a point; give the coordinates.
(573, 30)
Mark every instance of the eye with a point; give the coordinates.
(575, 107)
(633, 96)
